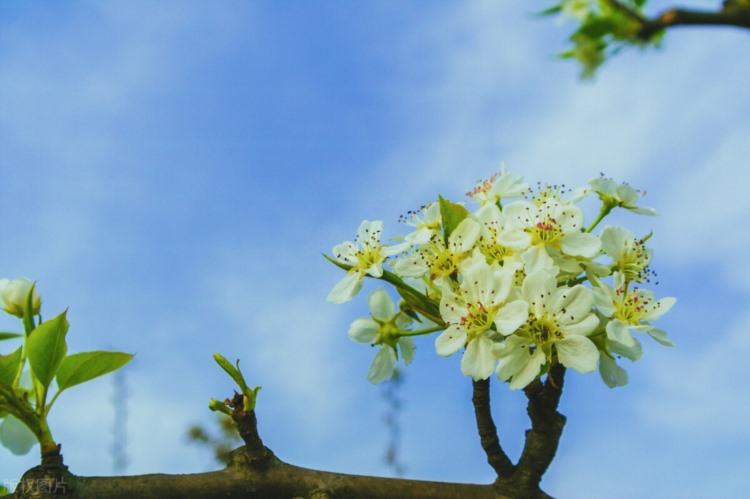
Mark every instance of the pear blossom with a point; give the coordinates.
(559, 318)
(553, 224)
(630, 255)
(366, 256)
(631, 310)
(498, 242)
(471, 310)
(426, 223)
(14, 296)
(435, 258)
(498, 187)
(517, 287)
(622, 195)
(382, 328)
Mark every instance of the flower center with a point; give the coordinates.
(477, 319)
(368, 256)
(632, 307)
(544, 329)
(547, 231)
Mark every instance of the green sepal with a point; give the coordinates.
(420, 303)
(451, 215)
(9, 366)
(81, 367)
(28, 317)
(4, 335)
(46, 348)
(337, 263)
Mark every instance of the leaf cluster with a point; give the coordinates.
(45, 348)
(604, 28)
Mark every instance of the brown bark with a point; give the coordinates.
(255, 472)
(523, 479)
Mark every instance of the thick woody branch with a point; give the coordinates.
(239, 480)
(496, 456)
(254, 472)
(247, 425)
(729, 16)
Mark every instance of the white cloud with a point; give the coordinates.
(701, 394)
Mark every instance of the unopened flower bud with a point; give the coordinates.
(15, 294)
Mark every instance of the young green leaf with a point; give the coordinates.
(46, 348)
(451, 214)
(9, 365)
(81, 367)
(231, 371)
(4, 335)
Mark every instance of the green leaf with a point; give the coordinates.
(4, 335)
(451, 214)
(232, 371)
(597, 27)
(46, 348)
(81, 367)
(552, 10)
(9, 366)
(336, 263)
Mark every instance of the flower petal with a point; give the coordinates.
(536, 258)
(612, 374)
(346, 288)
(618, 331)
(511, 316)
(584, 327)
(478, 361)
(464, 236)
(382, 365)
(513, 354)
(345, 252)
(381, 305)
(450, 341)
(536, 290)
(530, 371)
(364, 330)
(578, 352)
(407, 349)
(661, 337)
(580, 244)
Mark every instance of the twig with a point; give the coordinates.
(496, 456)
(546, 425)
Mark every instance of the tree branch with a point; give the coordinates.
(730, 15)
(546, 426)
(496, 456)
(253, 472)
(238, 481)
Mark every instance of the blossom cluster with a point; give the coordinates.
(517, 285)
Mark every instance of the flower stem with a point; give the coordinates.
(420, 332)
(606, 208)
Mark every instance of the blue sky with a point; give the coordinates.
(172, 171)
